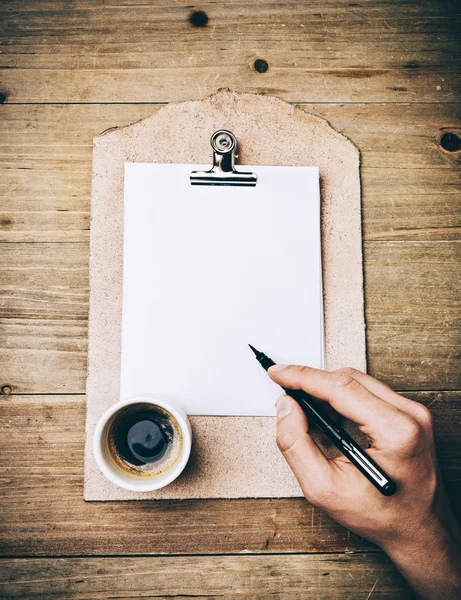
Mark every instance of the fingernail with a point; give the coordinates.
(277, 367)
(283, 406)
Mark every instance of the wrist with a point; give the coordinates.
(429, 558)
(423, 539)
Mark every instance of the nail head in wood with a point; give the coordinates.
(261, 65)
(198, 18)
(450, 141)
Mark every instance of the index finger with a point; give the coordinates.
(344, 393)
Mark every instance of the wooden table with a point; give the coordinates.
(384, 73)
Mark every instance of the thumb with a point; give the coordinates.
(304, 457)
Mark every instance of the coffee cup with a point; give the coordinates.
(143, 443)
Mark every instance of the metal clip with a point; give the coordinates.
(223, 171)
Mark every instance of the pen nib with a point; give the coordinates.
(263, 360)
(254, 350)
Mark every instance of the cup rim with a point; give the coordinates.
(145, 484)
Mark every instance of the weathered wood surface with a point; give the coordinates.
(410, 183)
(412, 305)
(314, 577)
(387, 75)
(43, 511)
(341, 51)
(412, 312)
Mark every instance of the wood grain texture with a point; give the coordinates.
(43, 511)
(412, 292)
(411, 188)
(412, 304)
(315, 577)
(338, 51)
(391, 71)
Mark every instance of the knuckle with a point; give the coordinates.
(409, 435)
(424, 416)
(350, 371)
(343, 377)
(409, 429)
(300, 375)
(304, 370)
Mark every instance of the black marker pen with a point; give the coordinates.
(340, 438)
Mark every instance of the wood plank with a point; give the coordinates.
(412, 312)
(410, 184)
(44, 312)
(43, 511)
(334, 51)
(316, 577)
(412, 306)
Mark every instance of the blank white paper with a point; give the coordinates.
(207, 270)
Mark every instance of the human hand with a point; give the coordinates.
(415, 526)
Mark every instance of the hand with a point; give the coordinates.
(415, 526)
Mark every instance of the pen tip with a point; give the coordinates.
(254, 350)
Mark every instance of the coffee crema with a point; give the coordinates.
(144, 440)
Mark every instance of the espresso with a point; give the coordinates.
(144, 439)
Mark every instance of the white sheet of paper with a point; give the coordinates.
(207, 270)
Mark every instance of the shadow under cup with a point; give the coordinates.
(142, 446)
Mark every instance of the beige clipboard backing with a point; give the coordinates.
(233, 457)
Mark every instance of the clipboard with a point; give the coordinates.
(180, 134)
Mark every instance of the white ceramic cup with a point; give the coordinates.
(132, 482)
